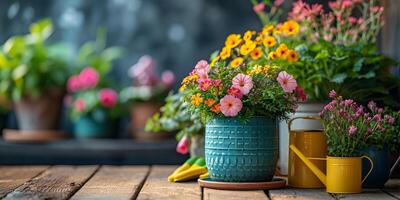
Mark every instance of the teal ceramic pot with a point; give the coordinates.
(241, 152)
(94, 126)
(380, 173)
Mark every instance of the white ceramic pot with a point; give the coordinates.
(304, 109)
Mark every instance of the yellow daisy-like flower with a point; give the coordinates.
(214, 61)
(248, 35)
(259, 40)
(278, 30)
(247, 48)
(291, 27)
(269, 41)
(182, 88)
(282, 51)
(233, 40)
(272, 55)
(256, 53)
(236, 62)
(292, 56)
(267, 29)
(196, 99)
(225, 53)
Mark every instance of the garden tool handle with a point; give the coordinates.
(305, 117)
(394, 166)
(370, 170)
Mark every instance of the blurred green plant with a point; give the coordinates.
(175, 116)
(28, 65)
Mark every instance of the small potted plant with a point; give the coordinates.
(33, 76)
(241, 97)
(175, 116)
(380, 145)
(94, 108)
(348, 127)
(146, 96)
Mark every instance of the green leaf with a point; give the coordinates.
(14, 46)
(42, 29)
(20, 72)
(339, 78)
(322, 55)
(358, 65)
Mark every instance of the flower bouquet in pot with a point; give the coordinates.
(33, 76)
(146, 96)
(349, 127)
(94, 107)
(240, 96)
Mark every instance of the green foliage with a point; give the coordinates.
(28, 65)
(143, 94)
(175, 116)
(355, 71)
(392, 137)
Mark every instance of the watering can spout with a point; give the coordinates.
(321, 176)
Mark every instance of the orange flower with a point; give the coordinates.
(256, 53)
(292, 56)
(269, 41)
(272, 55)
(291, 27)
(233, 40)
(225, 53)
(216, 108)
(282, 51)
(210, 102)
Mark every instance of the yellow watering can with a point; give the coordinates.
(313, 145)
(343, 174)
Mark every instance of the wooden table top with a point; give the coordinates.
(141, 182)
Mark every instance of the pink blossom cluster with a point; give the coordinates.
(341, 25)
(346, 113)
(144, 73)
(289, 85)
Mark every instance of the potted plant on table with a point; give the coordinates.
(349, 127)
(33, 75)
(146, 96)
(240, 97)
(175, 116)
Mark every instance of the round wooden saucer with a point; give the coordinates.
(274, 184)
(37, 136)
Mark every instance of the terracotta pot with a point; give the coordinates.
(40, 113)
(140, 112)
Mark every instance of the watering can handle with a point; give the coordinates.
(370, 170)
(306, 117)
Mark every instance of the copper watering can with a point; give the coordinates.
(343, 174)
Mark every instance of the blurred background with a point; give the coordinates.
(175, 33)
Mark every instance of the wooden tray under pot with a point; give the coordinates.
(35, 136)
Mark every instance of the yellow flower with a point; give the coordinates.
(291, 27)
(225, 53)
(236, 62)
(259, 39)
(247, 48)
(248, 35)
(267, 29)
(272, 55)
(269, 41)
(282, 51)
(233, 40)
(196, 99)
(257, 70)
(292, 56)
(256, 53)
(278, 30)
(214, 61)
(182, 88)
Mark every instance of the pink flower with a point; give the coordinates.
(234, 91)
(183, 145)
(360, 20)
(202, 73)
(301, 93)
(288, 83)
(205, 84)
(352, 130)
(259, 7)
(333, 5)
(73, 84)
(88, 78)
(144, 71)
(347, 3)
(278, 3)
(79, 105)
(348, 102)
(202, 65)
(243, 82)
(108, 97)
(217, 82)
(230, 105)
(168, 78)
(332, 94)
(352, 20)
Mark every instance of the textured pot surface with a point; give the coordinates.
(380, 173)
(241, 152)
(40, 113)
(303, 110)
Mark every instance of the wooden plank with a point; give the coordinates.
(114, 182)
(157, 186)
(58, 182)
(211, 194)
(12, 177)
(367, 194)
(393, 187)
(300, 194)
